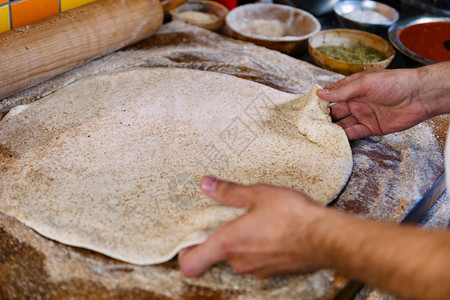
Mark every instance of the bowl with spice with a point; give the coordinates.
(348, 51)
(206, 14)
(274, 26)
(425, 39)
(366, 15)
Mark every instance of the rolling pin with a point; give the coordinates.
(34, 53)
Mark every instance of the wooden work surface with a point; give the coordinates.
(391, 176)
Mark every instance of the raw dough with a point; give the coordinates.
(112, 162)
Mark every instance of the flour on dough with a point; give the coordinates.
(112, 162)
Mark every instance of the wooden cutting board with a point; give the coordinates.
(390, 177)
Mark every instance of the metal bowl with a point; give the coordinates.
(317, 7)
(344, 8)
(301, 24)
(394, 35)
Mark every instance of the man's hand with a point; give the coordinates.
(377, 102)
(274, 237)
(285, 232)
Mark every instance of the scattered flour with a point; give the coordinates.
(266, 28)
(391, 172)
(367, 16)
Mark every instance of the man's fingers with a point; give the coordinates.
(358, 131)
(346, 80)
(347, 122)
(343, 93)
(337, 84)
(353, 129)
(344, 90)
(227, 193)
(194, 261)
(340, 110)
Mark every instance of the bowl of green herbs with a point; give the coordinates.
(348, 51)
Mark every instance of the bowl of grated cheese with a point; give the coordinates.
(206, 14)
(274, 26)
(366, 15)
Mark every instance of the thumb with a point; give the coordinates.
(195, 260)
(227, 193)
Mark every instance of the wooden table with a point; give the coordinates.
(392, 177)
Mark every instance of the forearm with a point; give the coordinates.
(433, 83)
(407, 261)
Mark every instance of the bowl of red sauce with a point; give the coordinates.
(425, 39)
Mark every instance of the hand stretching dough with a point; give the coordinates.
(112, 162)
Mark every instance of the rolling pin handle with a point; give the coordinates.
(51, 46)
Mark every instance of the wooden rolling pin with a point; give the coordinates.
(41, 50)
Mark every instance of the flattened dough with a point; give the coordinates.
(112, 162)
